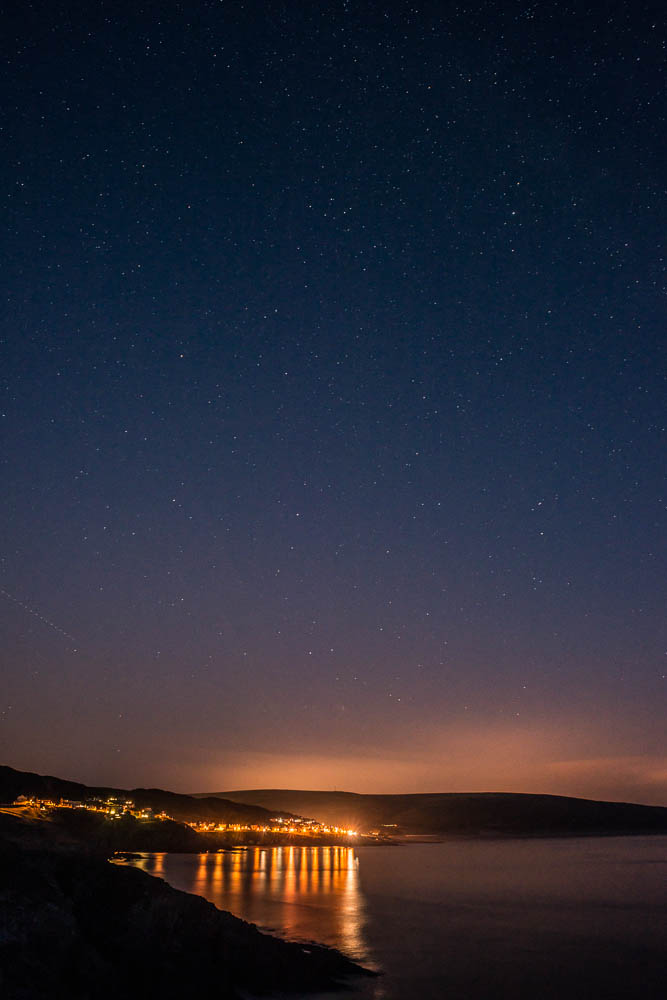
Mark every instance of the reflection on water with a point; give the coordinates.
(306, 893)
(571, 919)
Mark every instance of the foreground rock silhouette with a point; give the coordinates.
(75, 926)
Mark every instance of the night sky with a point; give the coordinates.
(333, 396)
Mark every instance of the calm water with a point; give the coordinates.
(558, 919)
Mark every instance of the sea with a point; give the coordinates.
(548, 919)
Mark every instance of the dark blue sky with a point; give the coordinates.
(334, 396)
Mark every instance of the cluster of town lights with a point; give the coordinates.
(115, 808)
(112, 807)
(303, 827)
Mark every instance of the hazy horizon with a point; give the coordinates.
(577, 778)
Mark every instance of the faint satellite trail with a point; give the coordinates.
(36, 614)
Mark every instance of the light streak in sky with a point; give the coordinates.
(36, 614)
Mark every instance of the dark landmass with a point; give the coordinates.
(74, 926)
(106, 836)
(181, 807)
(462, 814)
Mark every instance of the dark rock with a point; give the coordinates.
(74, 926)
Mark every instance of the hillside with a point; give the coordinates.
(181, 807)
(461, 813)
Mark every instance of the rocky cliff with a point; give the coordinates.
(74, 926)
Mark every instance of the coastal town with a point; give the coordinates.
(112, 807)
(279, 824)
(115, 808)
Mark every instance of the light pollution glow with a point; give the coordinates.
(562, 760)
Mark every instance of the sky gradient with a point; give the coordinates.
(333, 421)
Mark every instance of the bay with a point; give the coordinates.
(582, 918)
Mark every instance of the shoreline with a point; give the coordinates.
(79, 926)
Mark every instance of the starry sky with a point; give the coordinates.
(333, 396)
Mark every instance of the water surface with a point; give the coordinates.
(581, 918)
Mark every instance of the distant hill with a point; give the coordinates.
(500, 813)
(181, 807)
